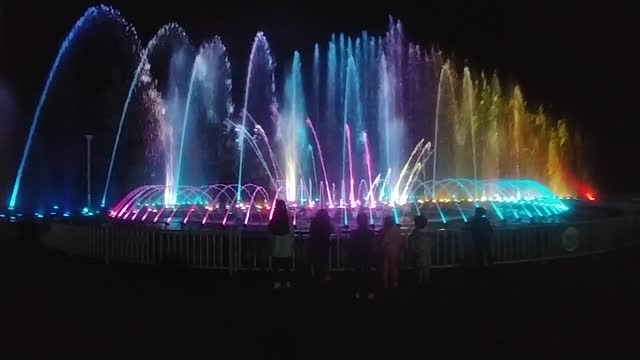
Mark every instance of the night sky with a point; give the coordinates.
(576, 59)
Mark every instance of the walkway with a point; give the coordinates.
(72, 306)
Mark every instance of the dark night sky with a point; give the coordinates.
(577, 59)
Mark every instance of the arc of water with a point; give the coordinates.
(352, 199)
(372, 202)
(396, 189)
(130, 195)
(324, 170)
(313, 166)
(273, 205)
(132, 199)
(470, 96)
(363, 190)
(253, 196)
(80, 24)
(141, 66)
(376, 181)
(416, 168)
(263, 134)
(436, 123)
(257, 40)
(384, 184)
(185, 118)
(256, 149)
(155, 220)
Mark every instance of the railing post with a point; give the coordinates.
(338, 253)
(107, 245)
(239, 252)
(231, 240)
(208, 240)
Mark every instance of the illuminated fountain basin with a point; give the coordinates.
(455, 202)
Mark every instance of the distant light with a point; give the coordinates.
(65, 214)
(55, 207)
(85, 210)
(590, 196)
(3, 215)
(39, 216)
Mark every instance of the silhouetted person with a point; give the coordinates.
(282, 237)
(390, 243)
(362, 256)
(481, 232)
(421, 243)
(320, 241)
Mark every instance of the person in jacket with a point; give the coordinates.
(481, 232)
(320, 241)
(421, 243)
(390, 242)
(282, 253)
(362, 256)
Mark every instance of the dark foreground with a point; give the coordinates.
(57, 305)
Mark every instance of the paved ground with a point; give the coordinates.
(55, 305)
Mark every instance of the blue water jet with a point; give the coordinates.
(92, 14)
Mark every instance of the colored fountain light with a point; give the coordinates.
(371, 124)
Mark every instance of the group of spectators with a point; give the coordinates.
(374, 256)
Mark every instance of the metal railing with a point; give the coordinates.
(234, 249)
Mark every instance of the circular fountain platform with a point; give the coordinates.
(449, 201)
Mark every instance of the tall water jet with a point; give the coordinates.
(385, 91)
(324, 169)
(178, 84)
(365, 139)
(291, 126)
(444, 137)
(492, 103)
(90, 16)
(143, 66)
(517, 113)
(469, 112)
(316, 82)
(331, 84)
(384, 113)
(260, 52)
(347, 131)
(208, 101)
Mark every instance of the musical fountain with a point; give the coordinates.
(371, 124)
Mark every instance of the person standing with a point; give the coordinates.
(481, 232)
(421, 241)
(390, 242)
(362, 256)
(282, 253)
(320, 241)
